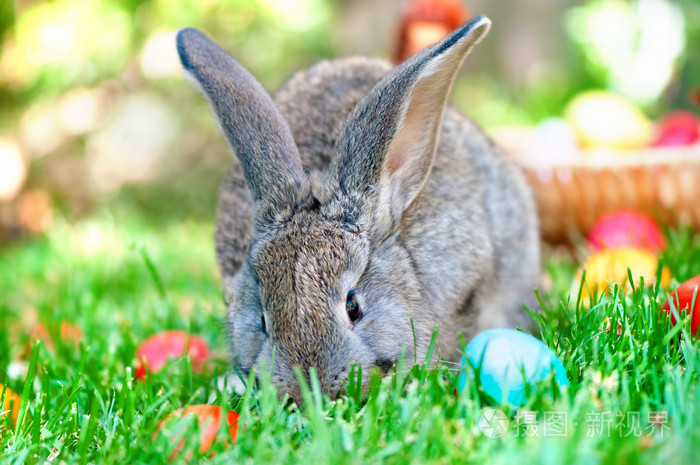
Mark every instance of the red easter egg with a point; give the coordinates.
(626, 228)
(682, 299)
(158, 349)
(209, 421)
(678, 128)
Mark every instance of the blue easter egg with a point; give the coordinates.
(510, 362)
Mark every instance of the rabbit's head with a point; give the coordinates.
(328, 281)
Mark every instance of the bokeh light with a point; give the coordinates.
(159, 58)
(13, 170)
(636, 44)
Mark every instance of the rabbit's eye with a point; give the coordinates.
(353, 307)
(262, 323)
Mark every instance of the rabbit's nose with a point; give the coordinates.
(330, 386)
(293, 395)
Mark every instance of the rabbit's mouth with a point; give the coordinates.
(346, 382)
(384, 366)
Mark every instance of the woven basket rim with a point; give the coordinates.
(652, 156)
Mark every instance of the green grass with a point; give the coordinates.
(124, 279)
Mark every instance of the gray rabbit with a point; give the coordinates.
(360, 203)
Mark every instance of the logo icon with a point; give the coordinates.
(493, 423)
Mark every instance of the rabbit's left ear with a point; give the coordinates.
(256, 131)
(388, 144)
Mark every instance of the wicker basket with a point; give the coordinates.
(663, 182)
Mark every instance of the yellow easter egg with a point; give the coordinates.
(602, 120)
(609, 266)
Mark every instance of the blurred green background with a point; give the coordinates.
(95, 114)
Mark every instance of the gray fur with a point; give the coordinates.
(401, 199)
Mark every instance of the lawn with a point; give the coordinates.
(633, 397)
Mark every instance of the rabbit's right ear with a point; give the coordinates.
(386, 149)
(254, 128)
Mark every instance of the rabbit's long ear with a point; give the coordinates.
(254, 128)
(389, 141)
